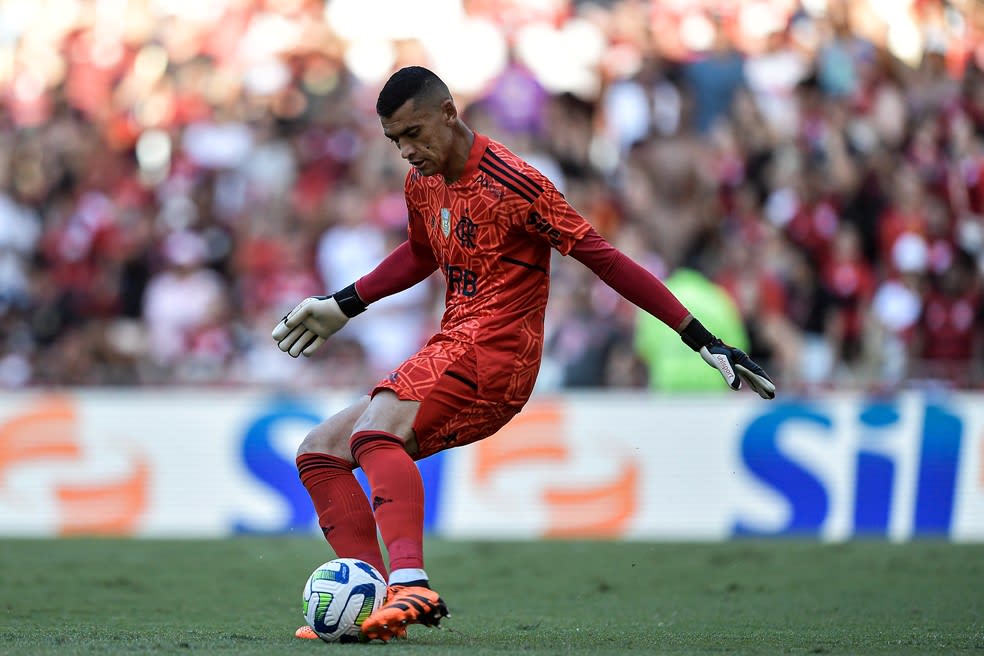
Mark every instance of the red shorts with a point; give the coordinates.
(457, 406)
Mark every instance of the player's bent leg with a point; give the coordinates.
(379, 446)
(397, 496)
(382, 444)
(325, 466)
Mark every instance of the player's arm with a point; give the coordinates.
(317, 318)
(646, 291)
(408, 264)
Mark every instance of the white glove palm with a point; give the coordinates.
(308, 325)
(735, 366)
(732, 363)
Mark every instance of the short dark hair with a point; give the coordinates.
(414, 82)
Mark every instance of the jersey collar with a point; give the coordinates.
(475, 155)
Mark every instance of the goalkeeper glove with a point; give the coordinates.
(733, 364)
(315, 319)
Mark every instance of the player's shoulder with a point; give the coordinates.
(512, 171)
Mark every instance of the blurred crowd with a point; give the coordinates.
(175, 176)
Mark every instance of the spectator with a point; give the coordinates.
(185, 308)
(947, 345)
(792, 151)
(669, 370)
(850, 284)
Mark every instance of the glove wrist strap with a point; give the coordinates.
(349, 302)
(695, 335)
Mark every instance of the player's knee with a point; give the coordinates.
(330, 442)
(332, 435)
(388, 413)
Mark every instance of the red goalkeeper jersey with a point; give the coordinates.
(491, 233)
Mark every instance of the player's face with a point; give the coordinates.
(423, 133)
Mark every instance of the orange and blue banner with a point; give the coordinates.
(200, 463)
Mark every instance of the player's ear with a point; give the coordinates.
(449, 111)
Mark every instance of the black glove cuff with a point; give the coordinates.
(696, 336)
(349, 302)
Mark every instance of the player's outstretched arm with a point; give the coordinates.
(315, 319)
(733, 363)
(640, 287)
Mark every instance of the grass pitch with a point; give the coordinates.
(243, 596)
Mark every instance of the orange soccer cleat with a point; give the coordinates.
(405, 605)
(306, 633)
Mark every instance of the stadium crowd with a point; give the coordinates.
(174, 176)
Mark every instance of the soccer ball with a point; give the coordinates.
(339, 596)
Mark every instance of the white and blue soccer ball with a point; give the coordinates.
(339, 596)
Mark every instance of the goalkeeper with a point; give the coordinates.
(488, 221)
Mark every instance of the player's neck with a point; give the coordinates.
(460, 151)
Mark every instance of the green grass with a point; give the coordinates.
(243, 597)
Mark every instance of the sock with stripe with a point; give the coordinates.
(344, 513)
(397, 496)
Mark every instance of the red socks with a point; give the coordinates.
(345, 515)
(343, 511)
(398, 495)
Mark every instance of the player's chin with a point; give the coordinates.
(425, 168)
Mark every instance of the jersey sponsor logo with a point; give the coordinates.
(543, 226)
(464, 231)
(461, 280)
(492, 187)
